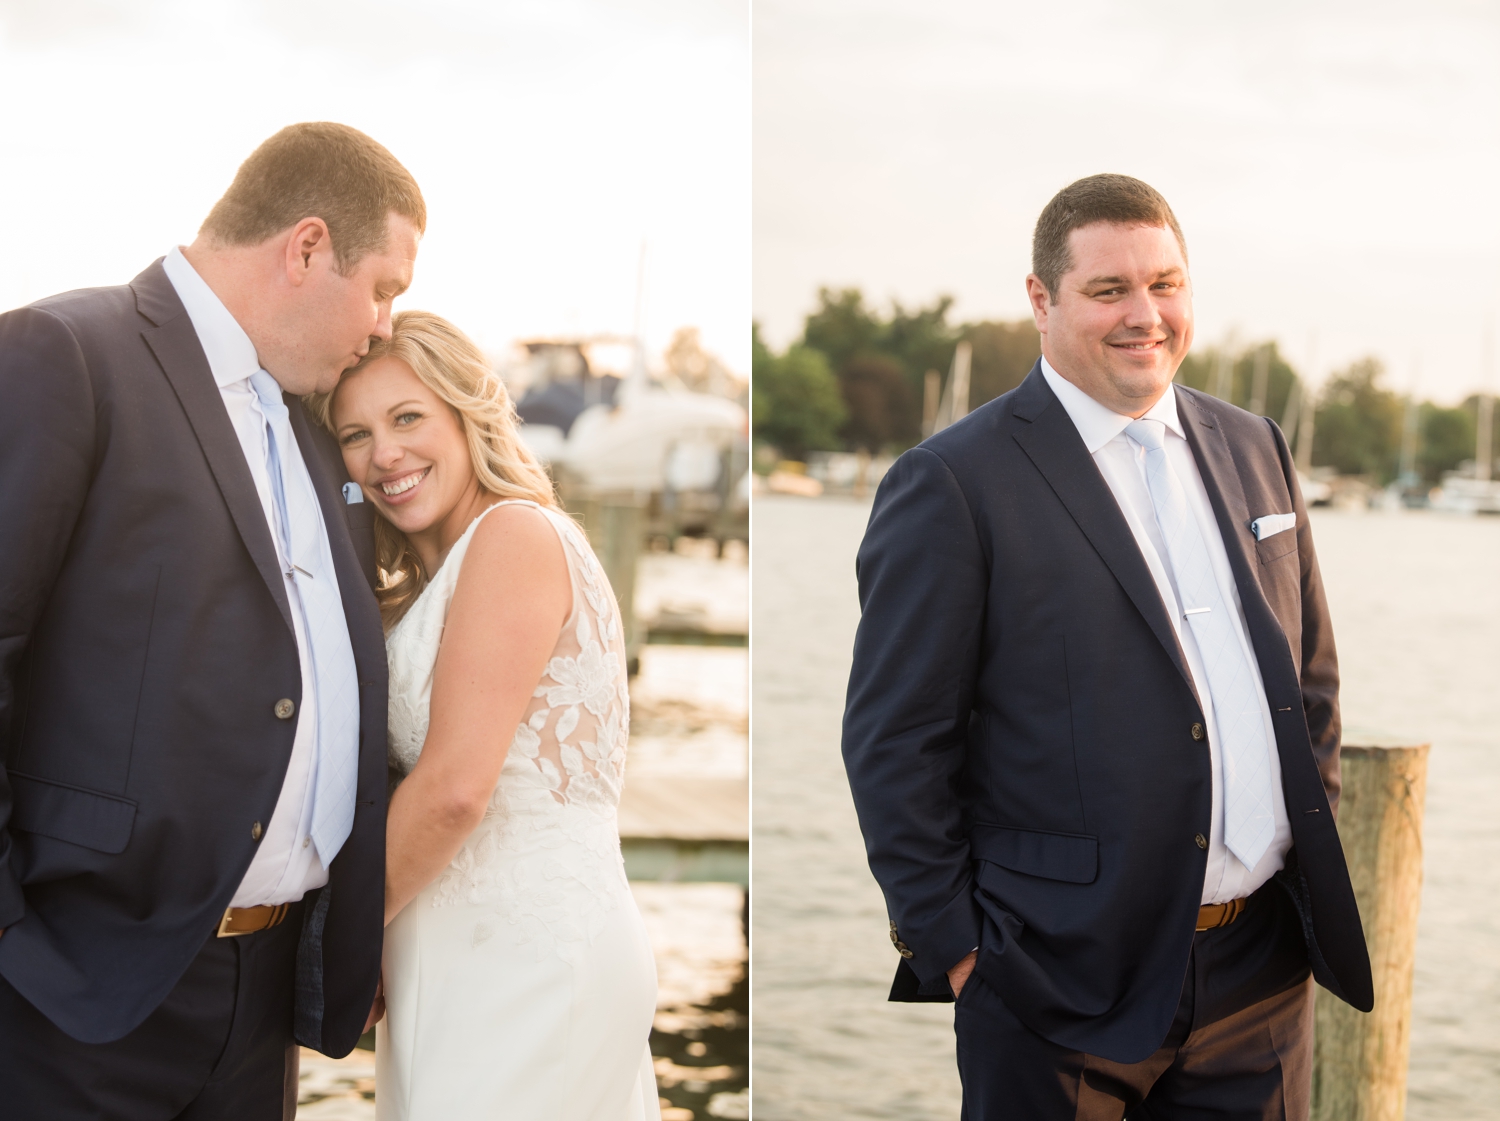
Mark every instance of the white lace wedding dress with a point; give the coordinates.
(520, 984)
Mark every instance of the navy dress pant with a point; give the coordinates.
(1240, 1048)
(218, 1048)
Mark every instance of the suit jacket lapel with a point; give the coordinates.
(176, 346)
(361, 610)
(1226, 494)
(1052, 442)
(1300, 780)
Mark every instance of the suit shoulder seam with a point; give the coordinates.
(963, 494)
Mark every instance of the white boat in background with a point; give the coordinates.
(1315, 491)
(608, 432)
(604, 426)
(1471, 489)
(1463, 494)
(652, 439)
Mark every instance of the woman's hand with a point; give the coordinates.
(377, 1009)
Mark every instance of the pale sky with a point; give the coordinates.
(1335, 165)
(550, 139)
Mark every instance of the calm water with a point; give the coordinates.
(1416, 607)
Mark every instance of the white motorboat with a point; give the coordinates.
(1463, 494)
(605, 432)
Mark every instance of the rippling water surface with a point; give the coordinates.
(1416, 608)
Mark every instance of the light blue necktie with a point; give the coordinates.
(335, 680)
(1238, 705)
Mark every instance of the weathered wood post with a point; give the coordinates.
(1359, 1060)
(615, 524)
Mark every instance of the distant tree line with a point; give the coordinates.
(870, 370)
(855, 381)
(1358, 421)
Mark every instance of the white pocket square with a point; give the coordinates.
(352, 494)
(1269, 525)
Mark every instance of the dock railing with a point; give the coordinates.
(1359, 1059)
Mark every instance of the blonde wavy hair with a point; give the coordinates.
(447, 362)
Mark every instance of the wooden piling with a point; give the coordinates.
(615, 524)
(1359, 1059)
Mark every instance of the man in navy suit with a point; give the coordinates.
(1092, 727)
(192, 670)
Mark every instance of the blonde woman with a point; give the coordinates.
(518, 980)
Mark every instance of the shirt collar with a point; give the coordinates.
(231, 354)
(1098, 424)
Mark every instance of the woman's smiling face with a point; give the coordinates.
(403, 444)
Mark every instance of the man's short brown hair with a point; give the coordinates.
(1099, 198)
(318, 170)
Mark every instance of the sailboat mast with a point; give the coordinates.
(961, 357)
(1407, 474)
(932, 390)
(955, 402)
(1307, 407)
(1259, 378)
(638, 377)
(1484, 455)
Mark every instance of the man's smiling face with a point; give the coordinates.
(1123, 319)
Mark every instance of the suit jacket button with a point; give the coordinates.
(1200, 840)
(285, 708)
(255, 831)
(1197, 731)
(902, 950)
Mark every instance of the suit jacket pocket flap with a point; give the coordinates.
(1070, 857)
(96, 821)
(360, 517)
(1276, 546)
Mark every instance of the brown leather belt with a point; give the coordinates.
(248, 920)
(1214, 915)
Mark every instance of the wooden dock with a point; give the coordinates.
(686, 829)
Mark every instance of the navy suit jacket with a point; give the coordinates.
(1018, 734)
(145, 638)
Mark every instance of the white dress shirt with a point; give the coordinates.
(286, 864)
(1122, 462)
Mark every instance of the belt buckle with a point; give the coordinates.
(224, 931)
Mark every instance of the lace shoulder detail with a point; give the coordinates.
(576, 726)
(573, 734)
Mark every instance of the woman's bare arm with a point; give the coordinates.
(513, 596)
